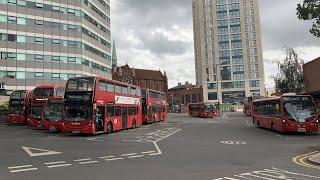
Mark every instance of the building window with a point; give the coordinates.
(39, 22)
(239, 84)
(72, 43)
(55, 25)
(39, 40)
(12, 19)
(39, 5)
(71, 59)
(212, 96)
(55, 76)
(56, 41)
(225, 73)
(55, 58)
(255, 83)
(211, 86)
(12, 37)
(39, 57)
(39, 75)
(227, 85)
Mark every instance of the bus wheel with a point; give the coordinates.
(258, 123)
(134, 124)
(109, 128)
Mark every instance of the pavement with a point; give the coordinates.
(180, 148)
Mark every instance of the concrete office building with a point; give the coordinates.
(228, 51)
(48, 41)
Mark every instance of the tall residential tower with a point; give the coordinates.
(228, 50)
(48, 41)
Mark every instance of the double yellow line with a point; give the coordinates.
(303, 160)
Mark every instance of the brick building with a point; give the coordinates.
(180, 96)
(311, 78)
(144, 78)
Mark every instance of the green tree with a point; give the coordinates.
(310, 10)
(290, 76)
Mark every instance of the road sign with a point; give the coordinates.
(34, 152)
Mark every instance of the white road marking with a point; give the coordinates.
(79, 160)
(88, 162)
(51, 163)
(17, 167)
(23, 170)
(104, 157)
(169, 135)
(114, 159)
(148, 152)
(43, 152)
(59, 165)
(269, 174)
(157, 147)
(90, 139)
(229, 142)
(137, 156)
(129, 154)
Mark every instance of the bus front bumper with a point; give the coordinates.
(13, 119)
(306, 128)
(77, 127)
(34, 123)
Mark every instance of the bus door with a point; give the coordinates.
(99, 119)
(124, 117)
(159, 113)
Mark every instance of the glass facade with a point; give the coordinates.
(230, 34)
(53, 41)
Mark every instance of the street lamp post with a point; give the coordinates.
(217, 85)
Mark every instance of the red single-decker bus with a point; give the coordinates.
(287, 113)
(203, 110)
(94, 105)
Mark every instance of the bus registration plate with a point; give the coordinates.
(76, 132)
(302, 130)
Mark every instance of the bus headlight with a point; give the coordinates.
(284, 121)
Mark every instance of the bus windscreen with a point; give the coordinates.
(299, 108)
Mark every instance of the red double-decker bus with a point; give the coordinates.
(202, 110)
(94, 105)
(287, 113)
(19, 104)
(39, 101)
(154, 106)
(52, 114)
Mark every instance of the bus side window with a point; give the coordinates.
(117, 111)
(60, 92)
(102, 85)
(110, 110)
(133, 111)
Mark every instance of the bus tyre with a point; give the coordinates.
(109, 128)
(134, 125)
(258, 123)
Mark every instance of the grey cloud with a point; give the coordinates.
(139, 18)
(281, 27)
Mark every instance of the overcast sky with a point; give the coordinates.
(158, 34)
